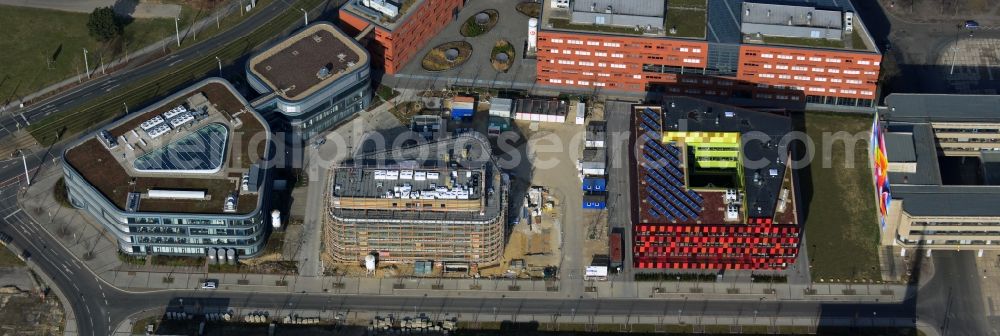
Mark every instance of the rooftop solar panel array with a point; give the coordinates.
(201, 150)
(665, 190)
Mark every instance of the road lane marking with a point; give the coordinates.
(12, 213)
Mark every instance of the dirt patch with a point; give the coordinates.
(530, 9)
(32, 312)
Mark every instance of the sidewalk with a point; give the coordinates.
(89, 243)
(989, 267)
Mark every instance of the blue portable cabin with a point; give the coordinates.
(595, 201)
(595, 184)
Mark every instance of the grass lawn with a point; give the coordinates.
(689, 22)
(565, 24)
(139, 326)
(386, 93)
(703, 4)
(131, 260)
(98, 111)
(9, 259)
(797, 41)
(275, 243)
(857, 41)
(841, 229)
(33, 37)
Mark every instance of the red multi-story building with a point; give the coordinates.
(817, 51)
(705, 198)
(397, 38)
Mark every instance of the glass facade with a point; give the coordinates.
(167, 233)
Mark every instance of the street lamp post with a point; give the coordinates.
(306, 15)
(177, 30)
(85, 62)
(220, 65)
(126, 108)
(27, 177)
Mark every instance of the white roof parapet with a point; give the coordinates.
(175, 194)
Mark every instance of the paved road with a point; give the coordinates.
(952, 300)
(99, 307)
(14, 119)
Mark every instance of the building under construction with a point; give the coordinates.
(444, 201)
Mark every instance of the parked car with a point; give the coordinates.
(210, 284)
(971, 24)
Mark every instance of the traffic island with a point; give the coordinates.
(480, 23)
(447, 56)
(502, 56)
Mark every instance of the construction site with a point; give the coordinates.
(438, 206)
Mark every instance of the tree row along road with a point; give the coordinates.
(83, 108)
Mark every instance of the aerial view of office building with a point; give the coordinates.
(314, 79)
(181, 177)
(796, 51)
(400, 28)
(937, 160)
(444, 201)
(707, 198)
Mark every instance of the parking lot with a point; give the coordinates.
(971, 65)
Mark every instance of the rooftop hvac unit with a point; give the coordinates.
(276, 219)
(230, 205)
(323, 73)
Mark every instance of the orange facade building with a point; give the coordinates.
(812, 51)
(397, 39)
